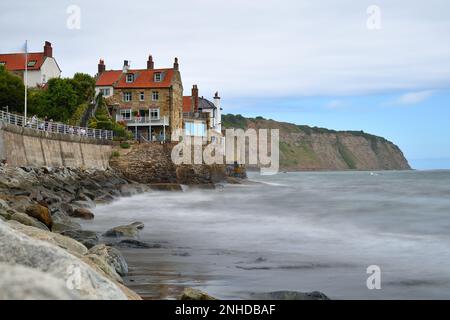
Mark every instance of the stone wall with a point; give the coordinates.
(28, 147)
(151, 163)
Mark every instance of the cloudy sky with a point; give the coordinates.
(336, 64)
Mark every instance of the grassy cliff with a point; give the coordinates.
(311, 148)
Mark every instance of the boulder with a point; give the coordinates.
(102, 266)
(61, 241)
(18, 248)
(60, 227)
(82, 213)
(24, 283)
(194, 294)
(40, 213)
(290, 295)
(129, 231)
(139, 225)
(112, 256)
(86, 237)
(27, 220)
(132, 243)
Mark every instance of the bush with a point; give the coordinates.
(115, 154)
(125, 145)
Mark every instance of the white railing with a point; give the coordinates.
(55, 127)
(162, 121)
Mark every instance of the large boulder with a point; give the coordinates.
(82, 213)
(67, 243)
(18, 248)
(24, 283)
(40, 213)
(27, 220)
(112, 256)
(194, 294)
(86, 237)
(102, 266)
(129, 231)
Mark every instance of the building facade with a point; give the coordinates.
(201, 115)
(41, 66)
(149, 101)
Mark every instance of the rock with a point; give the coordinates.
(82, 213)
(131, 243)
(23, 283)
(40, 213)
(130, 231)
(18, 248)
(86, 237)
(66, 208)
(112, 256)
(194, 294)
(84, 204)
(67, 243)
(61, 227)
(139, 225)
(27, 220)
(102, 266)
(290, 295)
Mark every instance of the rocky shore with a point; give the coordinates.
(44, 253)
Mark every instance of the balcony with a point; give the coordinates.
(143, 121)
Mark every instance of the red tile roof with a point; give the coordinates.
(144, 78)
(187, 103)
(16, 61)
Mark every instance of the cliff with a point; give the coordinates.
(310, 148)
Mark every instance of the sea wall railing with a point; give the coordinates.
(55, 127)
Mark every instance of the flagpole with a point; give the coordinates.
(26, 81)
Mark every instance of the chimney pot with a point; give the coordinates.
(150, 63)
(175, 64)
(48, 50)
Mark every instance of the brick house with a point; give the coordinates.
(148, 100)
(200, 114)
(41, 66)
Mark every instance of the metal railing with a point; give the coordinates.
(162, 121)
(54, 127)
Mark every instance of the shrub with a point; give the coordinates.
(125, 145)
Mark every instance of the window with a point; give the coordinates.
(142, 96)
(127, 96)
(154, 114)
(125, 114)
(130, 77)
(195, 129)
(158, 77)
(31, 63)
(155, 96)
(105, 91)
(44, 78)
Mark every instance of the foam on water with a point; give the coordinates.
(296, 231)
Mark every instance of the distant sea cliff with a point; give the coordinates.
(304, 148)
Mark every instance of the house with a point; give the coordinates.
(149, 101)
(201, 115)
(41, 66)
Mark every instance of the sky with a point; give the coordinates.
(381, 66)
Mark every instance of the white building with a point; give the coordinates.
(41, 66)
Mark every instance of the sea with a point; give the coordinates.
(350, 235)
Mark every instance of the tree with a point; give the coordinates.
(12, 91)
(84, 86)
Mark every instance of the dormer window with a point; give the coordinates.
(31, 63)
(130, 77)
(158, 77)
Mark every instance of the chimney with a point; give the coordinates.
(195, 98)
(150, 64)
(48, 50)
(218, 116)
(126, 66)
(101, 66)
(175, 64)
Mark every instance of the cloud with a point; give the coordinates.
(263, 48)
(334, 104)
(414, 97)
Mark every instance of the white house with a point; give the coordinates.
(41, 66)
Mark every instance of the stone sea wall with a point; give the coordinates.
(28, 147)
